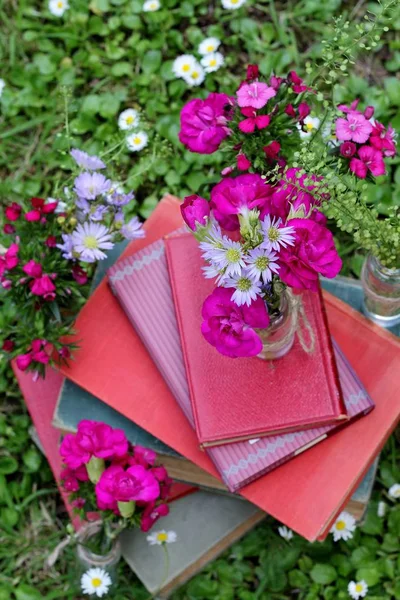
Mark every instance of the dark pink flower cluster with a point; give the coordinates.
(124, 475)
(36, 354)
(364, 141)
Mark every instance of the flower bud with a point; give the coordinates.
(95, 468)
(126, 509)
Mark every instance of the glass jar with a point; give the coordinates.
(278, 337)
(97, 573)
(381, 292)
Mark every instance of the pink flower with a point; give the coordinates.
(243, 163)
(9, 229)
(354, 128)
(5, 283)
(10, 259)
(64, 352)
(275, 82)
(43, 286)
(33, 269)
(383, 139)
(304, 110)
(151, 514)
(348, 149)
(144, 456)
(79, 275)
(297, 83)
(195, 211)
(70, 478)
(234, 195)
(370, 160)
(13, 212)
(253, 121)
(78, 503)
(254, 94)
(135, 484)
(40, 208)
(93, 439)
(272, 150)
(51, 241)
(229, 328)
(349, 109)
(252, 72)
(204, 123)
(23, 361)
(286, 197)
(8, 346)
(312, 254)
(369, 112)
(38, 352)
(289, 110)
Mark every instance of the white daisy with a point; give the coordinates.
(151, 5)
(394, 491)
(162, 537)
(343, 527)
(212, 62)
(184, 64)
(58, 7)
(229, 257)
(275, 235)
(89, 240)
(210, 271)
(137, 141)
(209, 45)
(232, 4)
(357, 589)
(95, 582)
(196, 76)
(262, 263)
(246, 288)
(128, 119)
(310, 126)
(381, 509)
(2, 86)
(285, 533)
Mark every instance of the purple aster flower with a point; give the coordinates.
(91, 185)
(119, 217)
(83, 205)
(118, 199)
(82, 159)
(90, 239)
(133, 230)
(98, 213)
(67, 247)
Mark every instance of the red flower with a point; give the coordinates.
(33, 269)
(79, 275)
(23, 361)
(304, 110)
(8, 346)
(10, 259)
(43, 286)
(253, 120)
(297, 83)
(272, 150)
(369, 159)
(252, 72)
(289, 110)
(64, 352)
(8, 228)
(151, 514)
(348, 149)
(13, 212)
(275, 82)
(51, 241)
(243, 163)
(40, 208)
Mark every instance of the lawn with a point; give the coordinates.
(67, 79)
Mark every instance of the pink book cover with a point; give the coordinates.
(244, 398)
(141, 284)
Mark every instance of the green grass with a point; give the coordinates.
(102, 57)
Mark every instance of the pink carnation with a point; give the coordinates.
(229, 328)
(13, 212)
(70, 478)
(297, 83)
(135, 484)
(253, 121)
(195, 211)
(23, 361)
(33, 269)
(10, 259)
(204, 123)
(286, 196)
(151, 514)
(254, 94)
(369, 159)
(348, 149)
(382, 139)
(43, 286)
(40, 209)
(243, 163)
(234, 195)
(312, 254)
(144, 456)
(354, 127)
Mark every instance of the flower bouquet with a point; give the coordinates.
(113, 486)
(50, 252)
(263, 234)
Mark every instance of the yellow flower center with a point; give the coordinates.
(185, 68)
(359, 587)
(60, 4)
(340, 525)
(273, 234)
(210, 48)
(310, 126)
(232, 255)
(213, 62)
(244, 284)
(195, 74)
(162, 537)
(129, 120)
(96, 582)
(153, 6)
(261, 263)
(136, 140)
(90, 242)
(234, 1)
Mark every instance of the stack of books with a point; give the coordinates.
(294, 438)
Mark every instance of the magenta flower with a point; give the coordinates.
(10, 259)
(290, 111)
(312, 254)
(13, 212)
(33, 269)
(238, 194)
(252, 72)
(135, 484)
(204, 123)
(229, 328)
(275, 82)
(40, 209)
(253, 120)
(43, 286)
(195, 211)
(287, 197)
(70, 478)
(348, 149)
(9, 229)
(382, 139)
(23, 361)
(151, 514)
(8, 346)
(38, 352)
(51, 241)
(354, 127)
(79, 275)
(144, 456)
(243, 163)
(272, 150)
(254, 94)
(370, 160)
(297, 83)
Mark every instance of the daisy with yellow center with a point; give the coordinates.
(343, 527)
(159, 538)
(137, 141)
(232, 4)
(209, 45)
(310, 126)
(195, 76)
(58, 7)
(394, 491)
(357, 589)
(183, 65)
(128, 119)
(95, 582)
(151, 5)
(212, 62)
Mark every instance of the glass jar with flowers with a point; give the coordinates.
(112, 486)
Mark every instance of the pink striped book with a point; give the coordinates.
(142, 286)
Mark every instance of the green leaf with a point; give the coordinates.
(27, 592)
(373, 525)
(122, 68)
(91, 104)
(32, 460)
(323, 574)
(298, 579)
(151, 61)
(9, 517)
(8, 465)
(392, 87)
(370, 574)
(361, 556)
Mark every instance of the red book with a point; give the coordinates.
(305, 493)
(246, 398)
